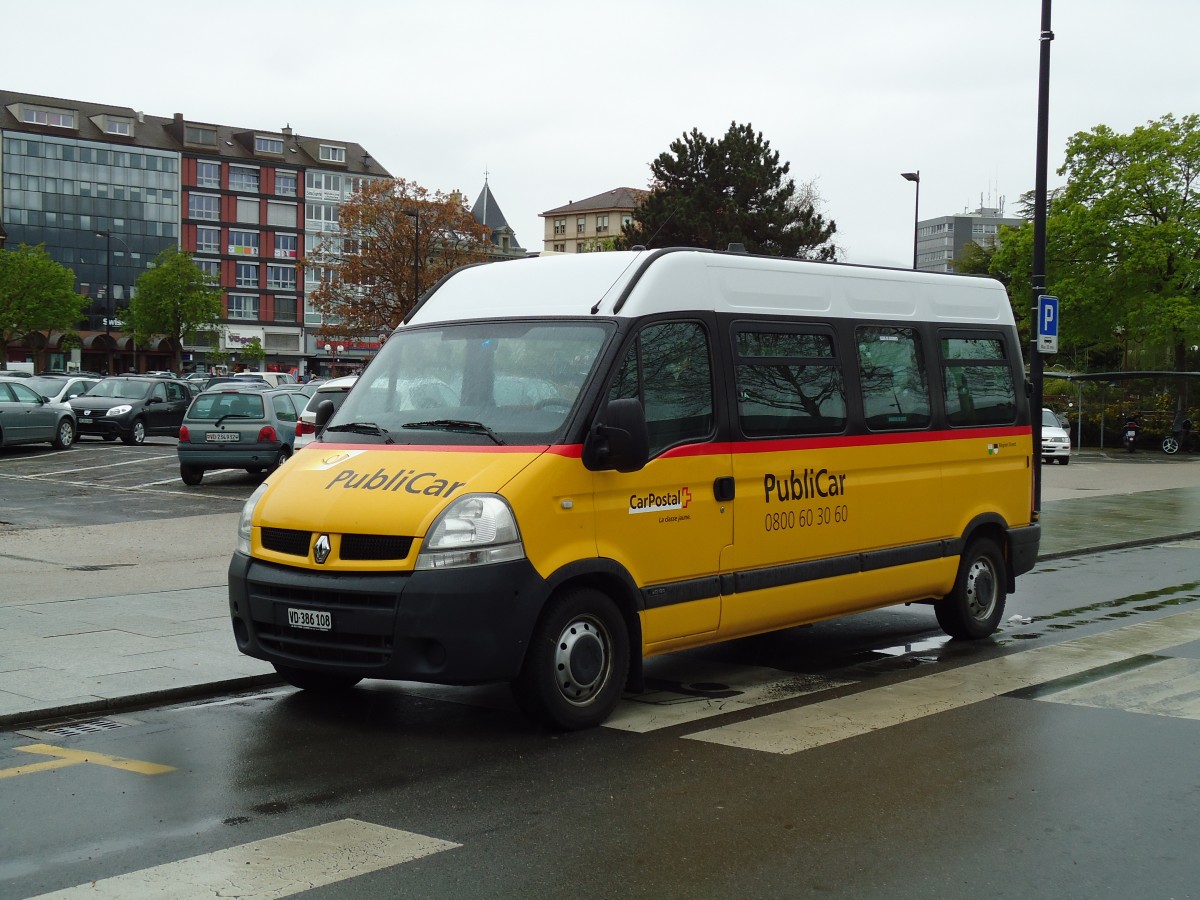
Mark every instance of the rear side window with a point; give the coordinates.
(895, 387)
(789, 382)
(977, 381)
(285, 409)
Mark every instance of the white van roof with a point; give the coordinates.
(640, 282)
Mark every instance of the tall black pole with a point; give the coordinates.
(915, 177)
(1039, 249)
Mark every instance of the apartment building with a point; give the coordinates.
(584, 226)
(941, 240)
(106, 188)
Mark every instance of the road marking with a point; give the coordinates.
(844, 717)
(128, 462)
(275, 867)
(1161, 687)
(65, 757)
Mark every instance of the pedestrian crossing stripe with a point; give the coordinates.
(275, 867)
(838, 719)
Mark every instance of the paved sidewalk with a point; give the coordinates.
(82, 635)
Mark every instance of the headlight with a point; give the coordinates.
(474, 530)
(247, 517)
(119, 410)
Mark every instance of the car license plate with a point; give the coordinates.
(222, 436)
(310, 618)
(85, 421)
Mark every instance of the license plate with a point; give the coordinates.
(310, 618)
(85, 421)
(222, 436)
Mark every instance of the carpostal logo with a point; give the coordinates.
(429, 484)
(679, 498)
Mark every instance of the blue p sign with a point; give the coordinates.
(1047, 328)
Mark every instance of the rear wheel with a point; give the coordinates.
(308, 680)
(1170, 445)
(191, 475)
(972, 610)
(285, 453)
(65, 436)
(577, 662)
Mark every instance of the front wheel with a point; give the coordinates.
(972, 610)
(577, 662)
(137, 433)
(1170, 445)
(308, 680)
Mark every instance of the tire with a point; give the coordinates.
(65, 436)
(137, 433)
(972, 610)
(1170, 445)
(577, 662)
(191, 475)
(308, 680)
(1065, 460)
(285, 453)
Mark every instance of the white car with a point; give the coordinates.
(58, 389)
(334, 390)
(1056, 441)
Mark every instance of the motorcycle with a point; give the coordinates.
(1129, 436)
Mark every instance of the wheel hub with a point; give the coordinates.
(581, 661)
(981, 590)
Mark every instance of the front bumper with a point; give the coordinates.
(1055, 451)
(449, 626)
(103, 425)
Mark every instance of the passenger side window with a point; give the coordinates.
(160, 391)
(788, 382)
(977, 382)
(669, 369)
(895, 388)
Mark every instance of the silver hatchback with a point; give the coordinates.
(236, 427)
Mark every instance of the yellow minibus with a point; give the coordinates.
(559, 466)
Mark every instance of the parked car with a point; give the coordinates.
(1056, 440)
(130, 407)
(334, 390)
(26, 417)
(215, 380)
(231, 427)
(275, 379)
(59, 389)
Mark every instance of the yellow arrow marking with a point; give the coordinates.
(65, 757)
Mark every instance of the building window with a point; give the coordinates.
(281, 278)
(195, 135)
(242, 306)
(285, 246)
(626, 218)
(602, 222)
(285, 309)
(267, 144)
(321, 216)
(333, 154)
(59, 118)
(243, 243)
(208, 240)
(282, 215)
(285, 184)
(204, 206)
(247, 275)
(560, 248)
(560, 226)
(209, 267)
(323, 186)
(581, 224)
(118, 126)
(247, 211)
(243, 179)
(208, 174)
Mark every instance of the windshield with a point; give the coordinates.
(121, 387)
(1050, 420)
(47, 387)
(499, 381)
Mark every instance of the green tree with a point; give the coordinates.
(37, 294)
(711, 193)
(174, 298)
(253, 354)
(1123, 238)
(368, 278)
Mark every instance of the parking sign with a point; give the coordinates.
(1047, 333)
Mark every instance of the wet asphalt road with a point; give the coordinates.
(1056, 761)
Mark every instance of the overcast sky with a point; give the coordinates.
(560, 101)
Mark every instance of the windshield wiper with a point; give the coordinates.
(364, 428)
(456, 425)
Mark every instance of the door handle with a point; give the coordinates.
(723, 488)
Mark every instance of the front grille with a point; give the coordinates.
(287, 540)
(375, 546)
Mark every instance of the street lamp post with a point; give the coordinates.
(915, 178)
(415, 215)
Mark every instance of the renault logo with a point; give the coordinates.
(321, 549)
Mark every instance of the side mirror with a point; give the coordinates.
(618, 439)
(324, 413)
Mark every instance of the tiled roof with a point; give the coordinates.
(617, 198)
